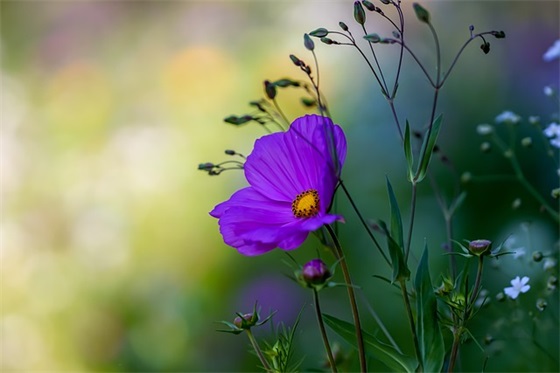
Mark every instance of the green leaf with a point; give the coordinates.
(428, 328)
(400, 270)
(396, 221)
(408, 151)
(374, 348)
(427, 150)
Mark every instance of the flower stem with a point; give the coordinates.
(362, 220)
(454, 350)
(411, 322)
(323, 331)
(359, 338)
(258, 350)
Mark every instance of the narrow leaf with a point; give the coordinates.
(428, 328)
(408, 151)
(396, 221)
(374, 348)
(400, 270)
(427, 150)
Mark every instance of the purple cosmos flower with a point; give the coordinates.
(292, 177)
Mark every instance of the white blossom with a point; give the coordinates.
(484, 129)
(518, 286)
(553, 52)
(549, 263)
(508, 117)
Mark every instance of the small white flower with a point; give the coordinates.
(553, 52)
(548, 91)
(549, 263)
(552, 130)
(519, 252)
(484, 129)
(508, 117)
(517, 286)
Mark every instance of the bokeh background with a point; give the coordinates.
(110, 261)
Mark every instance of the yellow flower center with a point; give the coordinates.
(306, 204)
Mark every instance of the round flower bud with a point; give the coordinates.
(537, 256)
(480, 247)
(500, 297)
(247, 321)
(315, 273)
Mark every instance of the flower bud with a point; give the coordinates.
(320, 32)
(369, 5)
(552, 283)
(247, 321)
(270, 89)
(480, 247)
(485, 147)
(537, 256)
(343, 26)
(500, 297)
(527, 142)
(421, 13)
(359, 13)
(541, 304)
(308, 43)
(315, 273)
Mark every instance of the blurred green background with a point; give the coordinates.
(110, 261)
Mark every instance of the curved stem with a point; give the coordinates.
(355, 315)
(258, 350)
(323, 331)
(362, 220)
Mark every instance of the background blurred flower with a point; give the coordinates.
(553, 52)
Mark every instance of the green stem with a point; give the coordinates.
(476, 284)
(355, 315)
(323, 331)
(362, 220)
(411, 322)
(258, 350)
(454, 350)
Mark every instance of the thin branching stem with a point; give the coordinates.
(364, 223)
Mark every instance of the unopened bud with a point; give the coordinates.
(270, 89)
(527, 142)
(480, 247)
(315, 273)
(359, 13)
(247, 321)
(421, 13)
(368, 5)
(308, 43)
(537, 256)
(541, 304)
